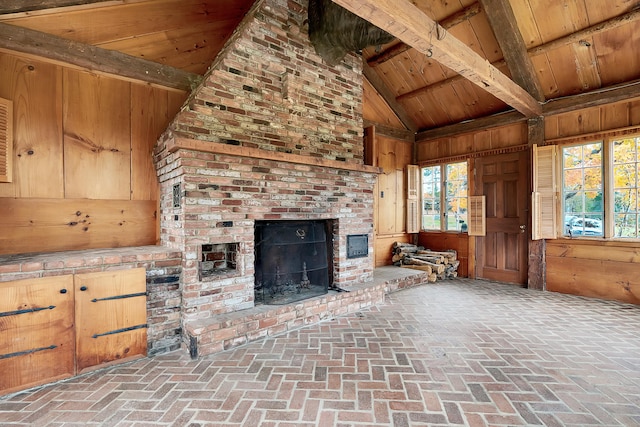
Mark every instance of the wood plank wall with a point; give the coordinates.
(83, 169)
(594, 268)
(458, 148)
(389, 203)
(468, 143)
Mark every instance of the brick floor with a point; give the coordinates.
(460, 352)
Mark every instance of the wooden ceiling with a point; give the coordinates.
(454, 65)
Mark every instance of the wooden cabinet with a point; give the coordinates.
(111, 316)
(55, 327)
(36, 326)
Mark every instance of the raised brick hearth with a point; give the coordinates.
(272, 133)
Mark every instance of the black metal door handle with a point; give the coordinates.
(83, 288)
(63, 291)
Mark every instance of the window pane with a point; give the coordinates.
(431, 184)
(582, 190)
(456, 196)
(626, 170)
(626, 225)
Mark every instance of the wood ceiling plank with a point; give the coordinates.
(587, 65)
(389, 98)
(376, 110)
(18, 6)
(527, 23)
(613, 48)
(191, 49)
(91, 58)
(408, 23)
(539, 55)
(122, 21)
(505, 28)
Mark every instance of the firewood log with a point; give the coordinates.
(427, 269)
(438, 268)
(436, 259)
(397, 257)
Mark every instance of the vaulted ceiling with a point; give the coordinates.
(452, 66)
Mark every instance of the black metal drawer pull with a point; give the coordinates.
(26, 310)
(23, 353)
(139, 294)
(117, 331)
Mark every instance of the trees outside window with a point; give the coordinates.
(600, 188)
(582, 189)
(626, 166)
(444, 210)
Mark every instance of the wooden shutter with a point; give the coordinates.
(544, 197)
(413, 192)
(6, 139)
(477, 216)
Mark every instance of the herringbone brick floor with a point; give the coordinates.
(462, 352)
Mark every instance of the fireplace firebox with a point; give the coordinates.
(293, 260)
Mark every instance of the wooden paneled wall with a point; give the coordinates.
(588, 123)
(594, 268)
(598, 269)
(468, 143)
(83, 173)
(459, 148)
(391, 155)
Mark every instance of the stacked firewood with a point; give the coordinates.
(439, 265)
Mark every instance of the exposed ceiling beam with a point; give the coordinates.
(388, 97)
(381, 129)
(17, 6)
(505, 28)
(609, 24)
(500, 119)
(594, 98)
(447, 23)
(91, 58)
(603, 96)
(409, 24)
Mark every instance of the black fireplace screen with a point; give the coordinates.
(292, 261)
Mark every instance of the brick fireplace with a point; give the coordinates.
(272, 134)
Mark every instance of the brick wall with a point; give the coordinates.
(270, 90)
(267, 92)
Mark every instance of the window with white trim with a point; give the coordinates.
(582, 189)
(601, 188)
(444, 197)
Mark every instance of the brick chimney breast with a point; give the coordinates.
(272, 133)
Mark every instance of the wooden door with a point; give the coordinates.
(502, 254)
(36, 332)
(111, 317)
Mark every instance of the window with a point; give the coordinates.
(444, 197)
(582, 189)
(626, 167)
(600, 188)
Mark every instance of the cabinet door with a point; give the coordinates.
(111, 317)
(36, 332)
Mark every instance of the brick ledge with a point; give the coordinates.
(226, 331)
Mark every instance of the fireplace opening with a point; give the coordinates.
(293, 260)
